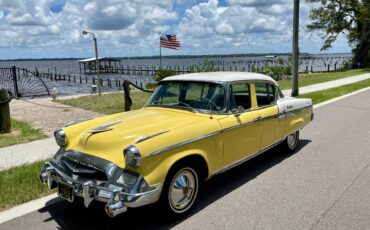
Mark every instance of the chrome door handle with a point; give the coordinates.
(289, 107)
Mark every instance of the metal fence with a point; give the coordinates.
(22, 82)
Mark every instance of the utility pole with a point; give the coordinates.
(295, 49)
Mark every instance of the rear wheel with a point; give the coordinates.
(180, 190)
(290, 142)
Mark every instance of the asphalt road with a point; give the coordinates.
(325, 185)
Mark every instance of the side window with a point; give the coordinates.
(240, 96)
(266, 94)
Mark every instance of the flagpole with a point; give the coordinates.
(160, 56)
(160, 52)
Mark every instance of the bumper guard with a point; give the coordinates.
(116, 200)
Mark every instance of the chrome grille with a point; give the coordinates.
(83, 170)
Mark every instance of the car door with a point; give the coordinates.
(272, 127)
(241, 131)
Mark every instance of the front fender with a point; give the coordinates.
(155, 168)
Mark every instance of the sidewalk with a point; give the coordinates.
(329, 84)
(38, 150)
(16, 155)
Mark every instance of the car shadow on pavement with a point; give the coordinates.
(76, 216)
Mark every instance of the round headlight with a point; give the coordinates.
(132, 156)
(60, 137)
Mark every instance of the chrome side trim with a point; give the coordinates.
(149, 137)
(245, 159)
(303, 108)
(240, 125)
(282, 116)
(278, 115)
(270, 117)
(182, 143)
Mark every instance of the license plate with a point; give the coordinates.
(65, 192)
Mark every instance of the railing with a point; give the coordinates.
(22, 82)
(127, 97)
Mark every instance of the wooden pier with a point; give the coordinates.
(112, 66)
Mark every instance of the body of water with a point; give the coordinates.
(319, 62)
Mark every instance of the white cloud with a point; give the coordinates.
(110, 10)
(230, 28)
(256, 3)
(131, 27)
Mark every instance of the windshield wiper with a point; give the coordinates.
(188, 106)
(180, 103)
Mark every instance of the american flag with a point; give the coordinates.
(169, 41)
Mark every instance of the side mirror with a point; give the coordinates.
(239, 110)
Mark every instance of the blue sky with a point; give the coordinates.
(52, 28)
(57, 5)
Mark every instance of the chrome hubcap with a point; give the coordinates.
(292, 140)
(183, 190)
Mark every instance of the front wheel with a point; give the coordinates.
(180, 190)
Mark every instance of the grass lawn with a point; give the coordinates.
(328, 94)
(21, 132)
(113, 102)
(21, 184)
(310, 79)
(108, 103)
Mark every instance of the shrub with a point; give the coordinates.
(163, 73)
(205, 66)
(150, 85)
(347, 64)
(276, 72)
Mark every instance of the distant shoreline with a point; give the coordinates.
(175, 56)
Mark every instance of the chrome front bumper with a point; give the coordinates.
(115, 198)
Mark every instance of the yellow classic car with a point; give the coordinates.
(193, 127)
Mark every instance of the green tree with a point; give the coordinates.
(351, 17)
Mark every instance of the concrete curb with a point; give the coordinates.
(25, 208)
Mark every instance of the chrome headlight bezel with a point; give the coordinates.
(132, 156)
(60, 137)
(127, 179)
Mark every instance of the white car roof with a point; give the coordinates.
(221, 77)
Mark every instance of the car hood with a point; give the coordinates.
(108, 139)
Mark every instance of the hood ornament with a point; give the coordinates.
(103, 128)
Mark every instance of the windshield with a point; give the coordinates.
(193, 96)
